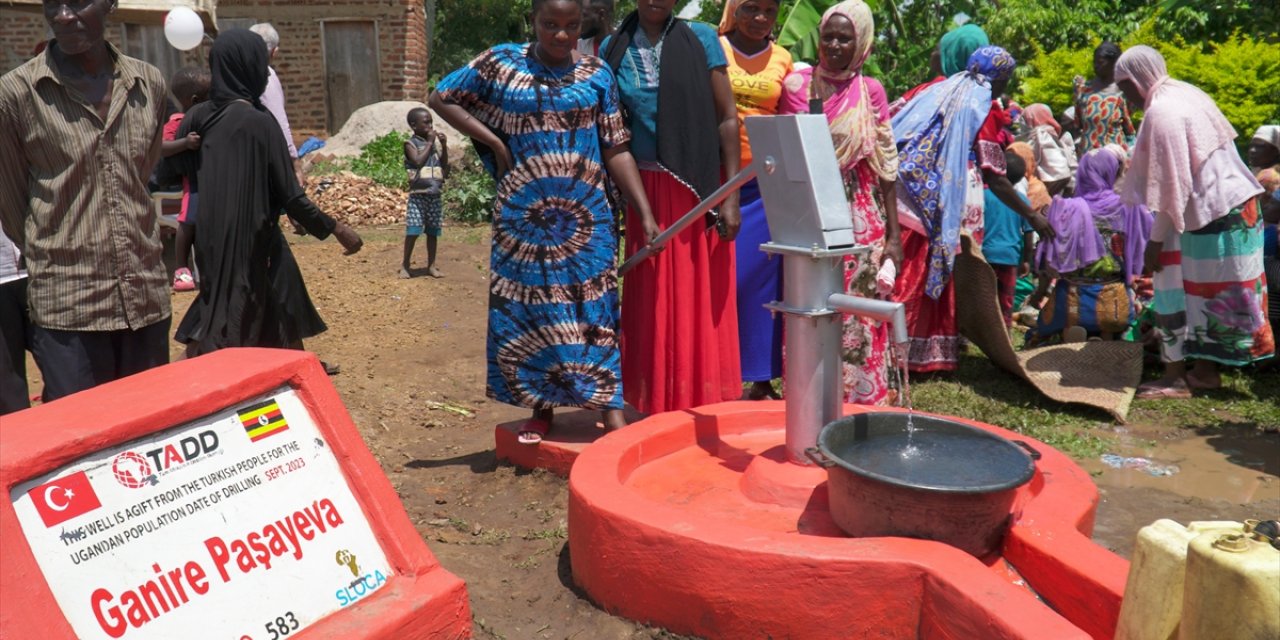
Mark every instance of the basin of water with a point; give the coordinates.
(936, 479)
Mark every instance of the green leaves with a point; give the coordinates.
(799, 32)
(382, 160)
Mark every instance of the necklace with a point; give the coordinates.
(558, 75)
(650, 56)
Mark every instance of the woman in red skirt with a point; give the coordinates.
(679, 317)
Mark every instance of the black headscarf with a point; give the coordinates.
(238, 63)
(688, 128)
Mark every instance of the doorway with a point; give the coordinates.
(351, 75)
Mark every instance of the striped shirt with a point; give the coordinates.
(73, 195)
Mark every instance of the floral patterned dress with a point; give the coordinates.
(857, 113)
(864, 343)
(553, 286)
(1104, 120)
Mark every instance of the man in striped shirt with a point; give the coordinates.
(80, 131)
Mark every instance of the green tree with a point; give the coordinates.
(464, 28)
(1220, 20)
(1020, 26)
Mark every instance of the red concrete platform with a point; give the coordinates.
(571, 434)
(691, 521)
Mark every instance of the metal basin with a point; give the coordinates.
(944, 481)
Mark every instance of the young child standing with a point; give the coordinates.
(1007, 238)
(190, 86)
(426, 158)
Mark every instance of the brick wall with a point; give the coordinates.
(402, 48)
(21, 32)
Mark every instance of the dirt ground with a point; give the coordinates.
(412, 354)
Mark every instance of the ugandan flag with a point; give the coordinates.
(262, 420)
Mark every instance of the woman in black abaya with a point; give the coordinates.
(251, 291)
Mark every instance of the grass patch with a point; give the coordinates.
(981, 391)
(1248, 397)
(558, 533)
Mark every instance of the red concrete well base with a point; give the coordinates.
(694, 522)
(572, 433)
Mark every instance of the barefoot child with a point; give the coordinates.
(426, 157)
(190, 85)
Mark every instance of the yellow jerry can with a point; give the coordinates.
(1205, 581)
(1152, 606)
(1232, 588)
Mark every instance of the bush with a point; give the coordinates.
(469, 193)
(382, 161)
(1242, 75)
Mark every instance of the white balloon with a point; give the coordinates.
(183, 28)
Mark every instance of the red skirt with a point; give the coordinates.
(679, 314)
(935, 337)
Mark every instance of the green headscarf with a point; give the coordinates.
(958, 44)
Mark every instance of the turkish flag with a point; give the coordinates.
(64, 499)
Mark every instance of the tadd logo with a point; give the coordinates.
(135, 470)
(362, 586)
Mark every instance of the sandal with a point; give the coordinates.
(1157, 391)
(182, 280)
(532, 431)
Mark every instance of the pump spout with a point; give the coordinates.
(892, 312)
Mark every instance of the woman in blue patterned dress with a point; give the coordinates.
(551, 118)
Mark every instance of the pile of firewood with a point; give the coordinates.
(356, 200)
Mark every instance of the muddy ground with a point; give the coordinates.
(413, 351)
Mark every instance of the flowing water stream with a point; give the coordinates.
(899, 359)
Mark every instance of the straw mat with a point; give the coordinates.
(1099, 374)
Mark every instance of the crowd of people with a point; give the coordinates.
(1100, 229)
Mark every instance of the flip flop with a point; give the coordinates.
(532, 431)
(1152, 391)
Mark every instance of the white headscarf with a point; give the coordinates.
(1268, 133)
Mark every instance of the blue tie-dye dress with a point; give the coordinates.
(553, 291)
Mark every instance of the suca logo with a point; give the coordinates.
(135, 470)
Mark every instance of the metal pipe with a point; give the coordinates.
(895, 313)
(696, 213)
(812, 382)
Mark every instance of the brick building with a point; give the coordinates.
(335, 56)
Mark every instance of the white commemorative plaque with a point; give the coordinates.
(238, 526)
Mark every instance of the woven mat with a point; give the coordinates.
(1099, 374)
